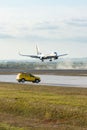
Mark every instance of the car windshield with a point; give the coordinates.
(31, 75)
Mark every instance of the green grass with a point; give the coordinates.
(29, 107)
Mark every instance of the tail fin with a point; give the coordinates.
(38, 51)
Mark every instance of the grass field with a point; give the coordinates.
(31, 107)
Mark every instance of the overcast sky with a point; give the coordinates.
(54, 25)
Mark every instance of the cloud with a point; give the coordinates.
(78, 22)
(6, 36)
(46, 26)
(78, 39)
(50, 31)
(22, 28)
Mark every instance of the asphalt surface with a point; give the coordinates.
(52, 80)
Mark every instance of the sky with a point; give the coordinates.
(54, 25)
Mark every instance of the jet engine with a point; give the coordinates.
(56, 56)
(41, 58)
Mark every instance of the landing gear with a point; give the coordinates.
(42, 60)
(50, 60)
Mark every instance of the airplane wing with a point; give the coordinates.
(62, 55)
(32, 56)
(53, 56)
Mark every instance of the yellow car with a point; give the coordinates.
(22, 77)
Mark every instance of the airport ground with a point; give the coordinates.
(64, 72)
(32, 107)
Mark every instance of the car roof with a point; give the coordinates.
(25, 73)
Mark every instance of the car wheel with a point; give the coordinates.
(19, 81)
(22, 80)
(37, 81)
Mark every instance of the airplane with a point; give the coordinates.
(43, 57)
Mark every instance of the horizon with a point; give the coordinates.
(25, 65)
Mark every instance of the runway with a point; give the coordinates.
(52, 80)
